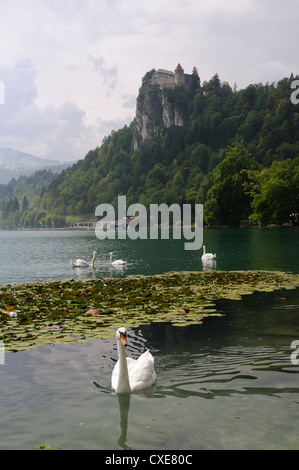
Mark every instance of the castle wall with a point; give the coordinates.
(172, 80)
(187, 81)
(179, 77)
(162, 76)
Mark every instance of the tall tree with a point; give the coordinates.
(25, 204)
(275, 192)
(195, 81)
(227, 200)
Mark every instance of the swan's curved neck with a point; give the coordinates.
(123, 385)
(204, 250)
(93, 259)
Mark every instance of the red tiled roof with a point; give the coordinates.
(179, 67)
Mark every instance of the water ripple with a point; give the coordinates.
(233, 370)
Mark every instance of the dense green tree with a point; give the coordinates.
(274, 192)
(227, 201)
(195, 81)
(25, 204)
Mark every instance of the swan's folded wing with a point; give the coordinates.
(82, 262)
(142, 372)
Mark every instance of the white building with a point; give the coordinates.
(169, 79)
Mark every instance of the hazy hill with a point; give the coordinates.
(14, 163)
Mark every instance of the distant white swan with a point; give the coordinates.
(131, 374)
(117, 261)
(80, 263)
(207, 256)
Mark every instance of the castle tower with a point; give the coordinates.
(179, 75)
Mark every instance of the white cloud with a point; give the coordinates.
(53, 132)
(108, 75)
(72, 68)
(129, 101)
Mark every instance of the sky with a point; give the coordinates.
(70, 70)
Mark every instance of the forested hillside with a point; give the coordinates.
(237, 153)
(20, 195)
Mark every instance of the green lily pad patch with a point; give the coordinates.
(70, 311)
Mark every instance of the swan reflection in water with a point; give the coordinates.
(124, 406)
(124, 400)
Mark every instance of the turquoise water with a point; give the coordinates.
(226, 384)
(41, 255)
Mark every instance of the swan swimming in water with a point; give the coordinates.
(131, 374)
(117, 261)
(207, 256)
(80, 263)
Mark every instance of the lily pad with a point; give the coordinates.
(70, 311)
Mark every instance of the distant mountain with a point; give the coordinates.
(14, 164)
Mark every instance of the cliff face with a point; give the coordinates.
(154, 111)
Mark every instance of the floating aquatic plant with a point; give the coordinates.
(55, 312)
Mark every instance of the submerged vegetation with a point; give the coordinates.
(70, 311)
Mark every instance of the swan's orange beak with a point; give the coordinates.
(124, 340)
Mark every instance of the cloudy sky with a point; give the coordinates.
(72, 68)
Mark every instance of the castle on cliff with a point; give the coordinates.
(172, 80)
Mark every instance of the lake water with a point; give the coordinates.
(226, 384)
(40, 255)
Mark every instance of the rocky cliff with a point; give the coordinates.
(156, 109)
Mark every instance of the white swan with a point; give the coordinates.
(117, 261)
(207, 256)
(80, 263)
(131, 374)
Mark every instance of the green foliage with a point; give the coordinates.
(56, 312)
(22, 197)
(195, 81)
(227, 201)
(212, 159)
(48, 447)
(274, 192)
(14, 218)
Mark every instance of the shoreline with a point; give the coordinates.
(75, 311)
(205, 227)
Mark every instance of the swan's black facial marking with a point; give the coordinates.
(123, 337)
